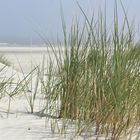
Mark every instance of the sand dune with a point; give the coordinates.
(15, 121)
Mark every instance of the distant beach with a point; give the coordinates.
(21, 56)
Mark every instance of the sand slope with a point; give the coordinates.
(15, 121)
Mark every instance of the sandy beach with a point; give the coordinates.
(19, 124)
(16, 123)
(22, 58)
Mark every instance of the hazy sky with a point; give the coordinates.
(21, 19)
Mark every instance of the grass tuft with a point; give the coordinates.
(98, 79)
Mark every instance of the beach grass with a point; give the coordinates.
(4, 60)
(98, 78)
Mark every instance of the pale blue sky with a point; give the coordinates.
(21, 19)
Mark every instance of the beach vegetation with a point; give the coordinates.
(98, 78)
(4, 60)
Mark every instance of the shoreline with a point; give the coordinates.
(28, 49)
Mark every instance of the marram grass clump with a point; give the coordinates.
(98, 78)
(4, 60)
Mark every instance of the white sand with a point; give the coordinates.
(24, 56)
(18, 124)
